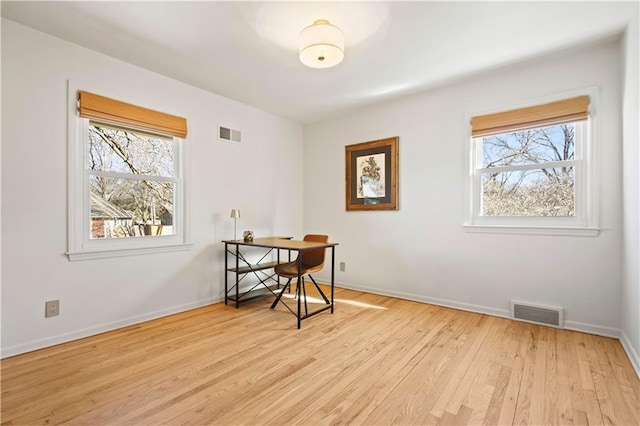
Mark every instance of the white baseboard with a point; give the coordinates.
(634, 357)
(503, 313)
(91, 331)
(592, 329)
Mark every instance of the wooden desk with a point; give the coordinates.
(271, 243)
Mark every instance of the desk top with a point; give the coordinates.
(281, 243)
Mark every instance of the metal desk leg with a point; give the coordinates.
(226, 273)
(237, 276)
(278, 260)
(333, 261)
(298, 284)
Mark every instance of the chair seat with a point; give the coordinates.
(290, 270)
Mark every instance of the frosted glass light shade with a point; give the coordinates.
(321, 45)
(235, 213)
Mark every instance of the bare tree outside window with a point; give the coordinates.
(132, 182)
(529, 172)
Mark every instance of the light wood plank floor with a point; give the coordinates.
(376, 360)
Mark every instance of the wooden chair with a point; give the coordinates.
(312, 261)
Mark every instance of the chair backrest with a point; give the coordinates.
(314, 257)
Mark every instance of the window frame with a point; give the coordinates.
(585, 220)
(80, 244)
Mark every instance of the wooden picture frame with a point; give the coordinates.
(372, 175)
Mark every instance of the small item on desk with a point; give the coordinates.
(248, 235)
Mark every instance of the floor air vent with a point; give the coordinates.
(537, 314)
(229, 135)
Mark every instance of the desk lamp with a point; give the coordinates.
(235, 214)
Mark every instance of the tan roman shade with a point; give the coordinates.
(565, 111)
(116, 112)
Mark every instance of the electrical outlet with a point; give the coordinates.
(51, 308)
(342, 266)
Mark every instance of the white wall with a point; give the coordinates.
(421, 251)
(262, 177)
(631, 212)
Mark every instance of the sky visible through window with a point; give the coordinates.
(531, 191)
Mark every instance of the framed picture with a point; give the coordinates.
(372, 175)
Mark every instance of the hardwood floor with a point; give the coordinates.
(376, 360)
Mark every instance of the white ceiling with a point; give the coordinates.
(247, 51)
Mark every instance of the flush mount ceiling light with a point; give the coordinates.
(321, 45)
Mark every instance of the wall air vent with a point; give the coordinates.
(537, 314)
(229, 135)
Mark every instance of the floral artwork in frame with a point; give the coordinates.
(372, 175)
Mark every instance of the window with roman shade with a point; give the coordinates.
(531, 168)
(126, 179)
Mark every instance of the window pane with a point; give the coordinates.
(125, 151)
(534, 146)
(538, 192)
(130, 207)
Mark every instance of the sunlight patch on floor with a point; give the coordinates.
(311, 299)
(360, 304)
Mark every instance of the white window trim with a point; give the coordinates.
(585, 223)
(80, 246)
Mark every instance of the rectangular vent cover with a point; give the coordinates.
(229, 135)
(537, 314)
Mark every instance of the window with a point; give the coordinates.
(132, 182)
(531, 170)
(126, 184)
